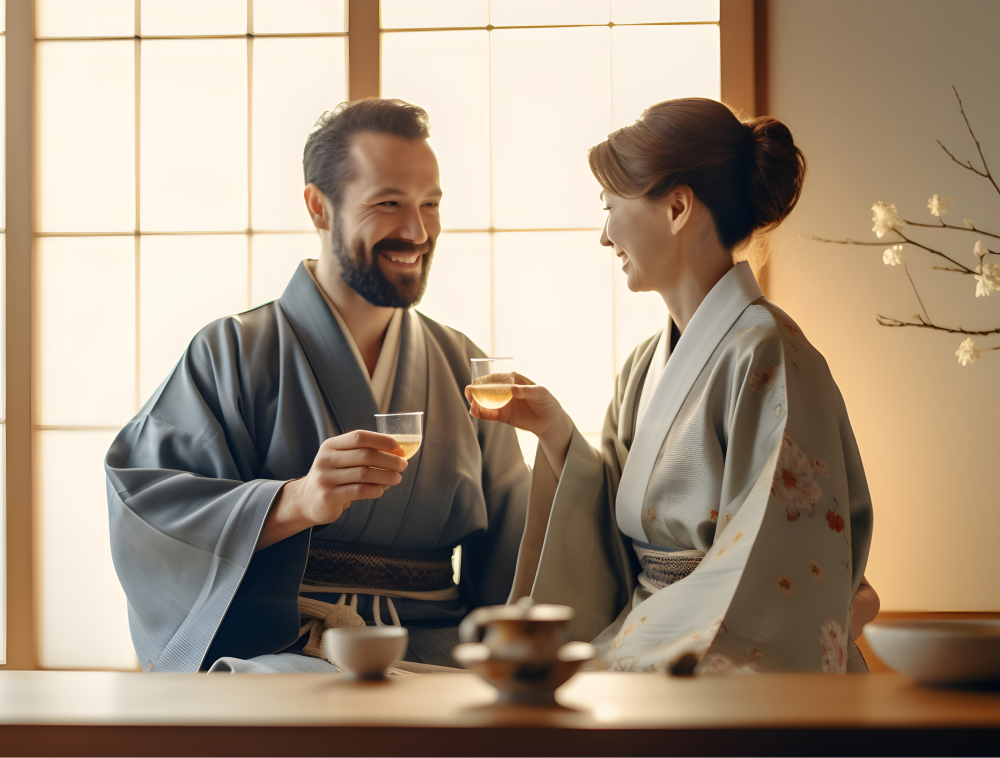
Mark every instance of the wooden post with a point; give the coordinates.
(736, 31)
(363, 49)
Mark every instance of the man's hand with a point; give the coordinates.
(354, 466)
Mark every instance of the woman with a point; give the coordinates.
(726, 521)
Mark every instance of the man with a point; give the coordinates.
(251, 504)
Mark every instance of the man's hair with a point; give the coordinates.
(326, 160)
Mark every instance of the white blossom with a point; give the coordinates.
(967, 352)
(968, 223)
(886, 218)
(980, 250)
(939, 205)
(987, 278)
(891, 256)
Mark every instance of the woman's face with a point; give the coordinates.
(640, 232)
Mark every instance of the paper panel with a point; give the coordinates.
(83, 614)
(275, 258)
(86, 136)
(286, 106)
(193, 140)
(86, 347)
(638, 315)
(434, 14)
(185, 283)
(193, 17)
(533, 13)
(299, 16)
(427, 69)
(663, 11)
(458, 290)
(645, 62)
(551, 91)
(84, 18)
(553, 315)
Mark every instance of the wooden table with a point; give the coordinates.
(98, 713)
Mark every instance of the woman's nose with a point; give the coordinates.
(604, 236)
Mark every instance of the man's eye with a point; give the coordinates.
(391, 203)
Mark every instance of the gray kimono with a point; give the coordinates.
(191, 479)
(728, 524)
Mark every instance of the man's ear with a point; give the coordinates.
(680, 207)
(318, 206)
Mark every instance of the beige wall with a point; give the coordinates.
(865, 86)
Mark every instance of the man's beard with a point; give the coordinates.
(362, 273)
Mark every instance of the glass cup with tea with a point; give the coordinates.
(406, 428)
(492, 379)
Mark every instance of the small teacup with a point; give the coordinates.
(523, 631)
(366, 652)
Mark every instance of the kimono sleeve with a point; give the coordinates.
(185, 508)
(794, 523)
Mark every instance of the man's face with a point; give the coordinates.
(387, 224)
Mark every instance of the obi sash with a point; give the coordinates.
(348, 569)
(662, 567)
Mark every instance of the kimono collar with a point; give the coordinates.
(345, 385)
(711, 321)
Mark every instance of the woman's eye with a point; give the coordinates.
(432, 205)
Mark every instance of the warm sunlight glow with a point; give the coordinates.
(419, 14)
(299, 16)
(275, 258)
(557, 283)
(541, 132)
(86, 309)
(79, 629)
(193, 171)
(172, 17)
(534, 13)
(94, 18)
(660, 11)
(294, 81)
(645, 61)
(428, 68)
(458, 293)
(186, 282)
(86, 136)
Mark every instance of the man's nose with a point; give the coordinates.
(604, 236)
(412, 228)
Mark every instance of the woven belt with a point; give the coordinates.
(335, 567)
(661, 568)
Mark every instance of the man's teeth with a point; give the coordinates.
(401, 258)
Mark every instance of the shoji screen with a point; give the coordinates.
(517, 91)
(170, 137)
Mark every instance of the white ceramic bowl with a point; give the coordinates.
(365, 651)
(939, 652)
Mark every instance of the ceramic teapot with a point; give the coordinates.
(525, 631)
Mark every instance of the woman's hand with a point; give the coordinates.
(533, 409)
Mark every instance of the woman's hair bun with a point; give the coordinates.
(748, 174)
(777, 168)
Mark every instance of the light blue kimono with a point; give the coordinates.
(743, 467)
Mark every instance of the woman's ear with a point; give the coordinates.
(679, 207)
(318, 206)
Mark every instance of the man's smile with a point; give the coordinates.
(400, 260)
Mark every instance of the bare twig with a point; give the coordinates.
(922, 306)
(945, 268)
(964, 269)
(968, 165)
(943, 225)
(895, 322)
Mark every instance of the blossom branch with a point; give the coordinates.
(961, 269)
(914, 286)
(922, 324)
(968, 165)
(943, 225)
